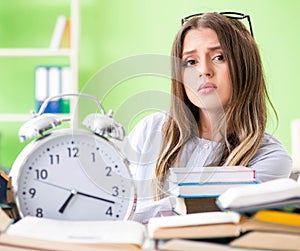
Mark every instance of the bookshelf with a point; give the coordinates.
(72, 53)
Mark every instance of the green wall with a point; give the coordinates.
(114, 31)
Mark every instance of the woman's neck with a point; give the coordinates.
(208, 125)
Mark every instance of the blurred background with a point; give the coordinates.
(113, 33)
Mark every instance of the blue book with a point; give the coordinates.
(204, 190)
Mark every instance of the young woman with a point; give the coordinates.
(217, 116)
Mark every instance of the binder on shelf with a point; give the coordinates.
(41, 82)
(54, 89)
(65, 88)
(50, 81)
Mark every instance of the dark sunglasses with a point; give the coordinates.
(232, 15)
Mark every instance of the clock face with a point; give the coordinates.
(73, 175)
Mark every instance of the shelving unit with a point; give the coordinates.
(72, 53)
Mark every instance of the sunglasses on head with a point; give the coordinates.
(232, 15)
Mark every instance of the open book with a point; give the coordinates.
(273, 194)
(195, 226)
(31, 233)
(223, 224)
(41, 233)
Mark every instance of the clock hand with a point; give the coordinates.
(95, 197)
(63, 207)
(76, 192)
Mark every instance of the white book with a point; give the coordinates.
(41, 233)
(208, 189)
(271, 194)
(194, 225)
(66, 82)
(58, 32)
(41, 82)
(54, 81)
(211, 174)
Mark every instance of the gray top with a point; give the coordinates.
(271, 161)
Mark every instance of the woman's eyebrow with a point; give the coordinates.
(212, 48)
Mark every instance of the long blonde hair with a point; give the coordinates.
(246, 115)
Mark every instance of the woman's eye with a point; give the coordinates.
(218, 58)
(188, 63)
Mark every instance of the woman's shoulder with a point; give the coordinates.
(271, 142)
(271, 160)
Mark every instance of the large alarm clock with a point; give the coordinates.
(73, 174)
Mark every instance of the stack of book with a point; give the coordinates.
(266, 229)
(198, 187)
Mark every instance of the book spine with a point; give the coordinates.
(54, 87)
(51, 81)
(66, 37)
(66, 87)
(204, 190)
(217, 176)
(216, 183)
(58, 32)
(41, 85)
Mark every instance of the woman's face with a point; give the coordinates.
(205, 72)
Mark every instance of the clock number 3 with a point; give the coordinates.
(116, 191)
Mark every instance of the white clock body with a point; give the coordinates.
(73, 175)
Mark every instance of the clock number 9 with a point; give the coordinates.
(32, 192)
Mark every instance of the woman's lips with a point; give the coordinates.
(206, 88)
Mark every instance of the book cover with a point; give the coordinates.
(41, 233)
(211, 174)
(58, 32)
(54, 88)
(272, 221)
(66, 88)
(198, 225)
(208, 189)
(41, 85)
(195, 245)
(268, 241)
(272, 194)
(185, 206)
(66, 37)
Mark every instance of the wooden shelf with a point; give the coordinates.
(72, 53)
(14, 117)
(20, 117)
(34, 52)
